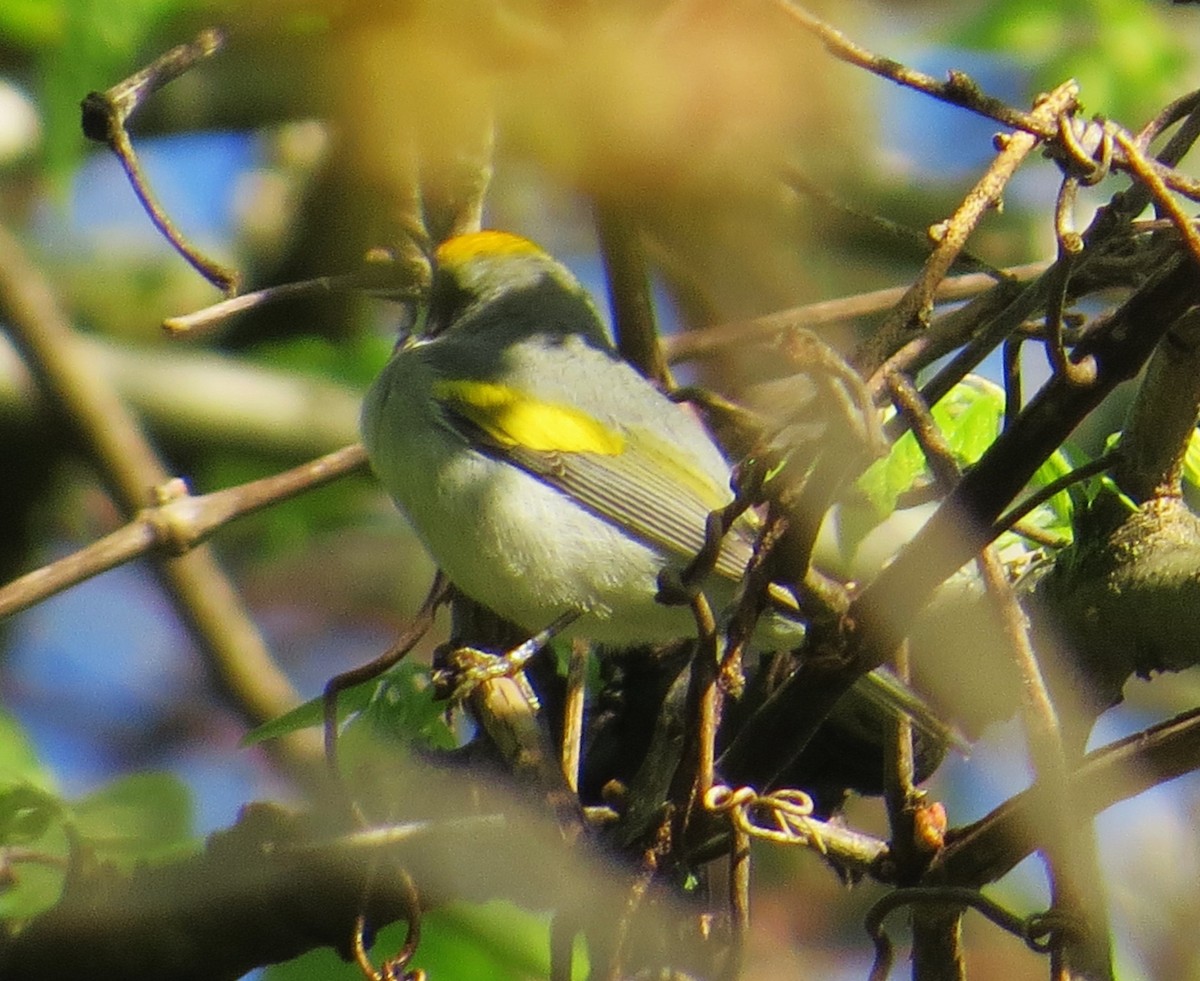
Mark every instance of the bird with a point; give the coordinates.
(549, 480)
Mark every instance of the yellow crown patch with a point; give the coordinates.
(461, 249)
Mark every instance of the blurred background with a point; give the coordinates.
(751, 158)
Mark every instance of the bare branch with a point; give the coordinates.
(713, 341)
(208, 603)
(951, 235)
(986, 850)
(176, 525)
(104, 117)
(961, 90)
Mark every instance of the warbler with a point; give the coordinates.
(543, 473)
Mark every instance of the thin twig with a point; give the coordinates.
(573, 705)
(956, 328)
(1143, 169)
(739, 902)
(1052, 489)
(960, 90)
(952, 234)
(1181, 108)
(1072, 891)
(639, 886)
(1128, 204)
(705, 695)
(988, 849)
(904, 234)
(439, 594)
(1011, 357)
(105, 115)
(883, 612)
(711, 342)
(1070, 245)
(938, 896)
(1064, 855)
(202, 321)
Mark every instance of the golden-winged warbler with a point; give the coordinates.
(542, 472)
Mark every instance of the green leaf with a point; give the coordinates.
(1191, 460)
(403, 709)
(399, 706)
(496, 940)
(489, 940)
(312, 713)
(143, 816)
(969, 418)
(26, 813)
(1057, 514)
(18, 761)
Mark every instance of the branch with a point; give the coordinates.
(184, 394)
(961, 90)
(277, 885)
(104, 115)
(209, 605)
(375, 276)
(1074, 889)
(963, 524)
(711, 342)
(1162, 419)
(988, 849)
(176, 525)
(952, 234)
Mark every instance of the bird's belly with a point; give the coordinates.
(529, 553)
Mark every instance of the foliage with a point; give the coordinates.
(1125, 58)
(679, 127)
(140, 817)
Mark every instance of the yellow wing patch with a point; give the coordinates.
(512, 418)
